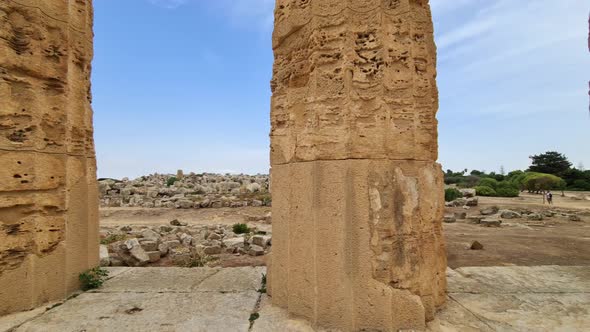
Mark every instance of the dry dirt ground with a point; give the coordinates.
(553, 241)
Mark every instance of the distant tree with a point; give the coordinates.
(550, 162)
(502, 170)
(477, 173)
(471, 181)
(513, 175)
(540, 183)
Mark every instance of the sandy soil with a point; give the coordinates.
(149, 217)
(554, 241)
(572, 200)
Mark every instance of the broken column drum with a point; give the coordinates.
(48, 191)
(357, 193)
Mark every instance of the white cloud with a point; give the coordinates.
(512, 70)
(465, 32)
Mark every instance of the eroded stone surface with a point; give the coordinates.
(48, 191)
(353, 79)
(357, 203)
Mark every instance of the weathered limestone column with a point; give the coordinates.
(48, 190)
(357, 193)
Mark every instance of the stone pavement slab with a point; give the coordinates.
(93, 312)
(159, 279)
(154, 299)
(538, 298)
(542, 298)
(520, 279)
(529, 312)
(10, 321)
(234, 280)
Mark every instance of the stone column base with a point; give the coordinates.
(358, 244)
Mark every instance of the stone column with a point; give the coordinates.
(48, 190)
(357, 193)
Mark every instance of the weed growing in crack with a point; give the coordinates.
(93, 278)
(263, 287)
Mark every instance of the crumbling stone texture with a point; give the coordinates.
(357, 193)
(48, 191)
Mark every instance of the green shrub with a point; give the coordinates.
(485, 191)
(241, 229)
(488, 182)
(581, 185)
(452, 194)
(507, 192)
(171, 181)
(93, 278)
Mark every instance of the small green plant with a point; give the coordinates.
(93, 278)
(241, 229)
(452, 194)
(113, 238)
(171, 181)
(263, 287)
(254, 317)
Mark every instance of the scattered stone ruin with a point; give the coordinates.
(48, 191)
(357, 194)
(191, 191)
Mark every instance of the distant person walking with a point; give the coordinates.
(549, 198)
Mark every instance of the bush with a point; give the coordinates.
(241, 229)
(171, 181)
(581, 185)
(507, 192)
(93, 278)
(485, 191)
(452, 194)
(488, 182)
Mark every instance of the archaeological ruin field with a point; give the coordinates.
(294, 165)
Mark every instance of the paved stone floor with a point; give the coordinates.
(544, 298)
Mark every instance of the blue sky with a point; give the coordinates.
(185, 83)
